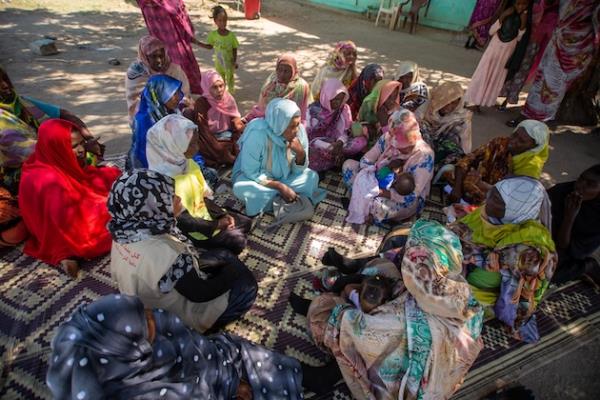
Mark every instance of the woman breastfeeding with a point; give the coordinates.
(509, 253)
(273, 160)
(150, 258)
(328, 125)
(160, 97)
(400, 151)
(63, 200)
(172, 142)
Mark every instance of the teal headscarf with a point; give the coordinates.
(277, 118)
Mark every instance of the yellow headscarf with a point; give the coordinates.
(531, 163)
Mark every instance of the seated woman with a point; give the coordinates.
(576, 225)
(160, 97)
(221, 124)
(509, 255)
(152, 60)
(414, 91)
(523, 153)
(446, 123)
(113, 348)
(420, 344)
(362, 86)
(328, 126)
(377, 107)
(172, 142)
(341, 64)
(273, 160)
(401, 147)
(285, 82)
(20, 118)
(150, 258)
(63, 201)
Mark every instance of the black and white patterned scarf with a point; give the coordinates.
(141, 205)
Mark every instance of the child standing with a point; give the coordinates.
(225, 44)
(490, 74)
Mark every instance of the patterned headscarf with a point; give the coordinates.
(404, 129)
(141, 205)
(431, 270)
(523, 198)
(149, 44)
(337, 59)
(167, 142)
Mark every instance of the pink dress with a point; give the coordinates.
(168, 20)
(488, 79)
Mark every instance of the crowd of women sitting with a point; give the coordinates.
(174, 251)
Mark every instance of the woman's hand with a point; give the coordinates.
(385, 193)
(287, 193)
(95, 147)
(337, 151)
(227, 222)
(298, 149)
(455, 195)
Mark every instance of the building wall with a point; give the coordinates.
(453, 15)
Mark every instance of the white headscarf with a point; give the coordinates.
(166, 143)
(523, 198)
(407, 67)
(538, 131)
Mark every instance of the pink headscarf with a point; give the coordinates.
(149, 44)
(221, 110)
(329, 124)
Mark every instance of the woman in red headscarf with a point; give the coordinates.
(63, 201)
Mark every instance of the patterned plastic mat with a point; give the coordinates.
(35, 298)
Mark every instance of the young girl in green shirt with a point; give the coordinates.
(225, 44)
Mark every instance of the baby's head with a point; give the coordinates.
(219, 15)
(374, 291)
(404, 184)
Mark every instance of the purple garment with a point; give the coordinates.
(482, 19)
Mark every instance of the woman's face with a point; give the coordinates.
(194, 146)
(407, 150)
(349, 56)
(337, 101)
(157, 60)
(520, 142)
(292, 130)
(217, 90)
(370, 84)
(406, 80)
(588, 186)
(77, 144)
(494, 204)
(173, 102)
(7, 94)
(284, 73)
(449, 108)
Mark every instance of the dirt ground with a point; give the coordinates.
(91, 32)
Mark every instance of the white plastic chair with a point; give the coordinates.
(387, 9)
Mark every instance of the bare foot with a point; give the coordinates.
(70, 267)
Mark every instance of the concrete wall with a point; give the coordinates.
(453, 15)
